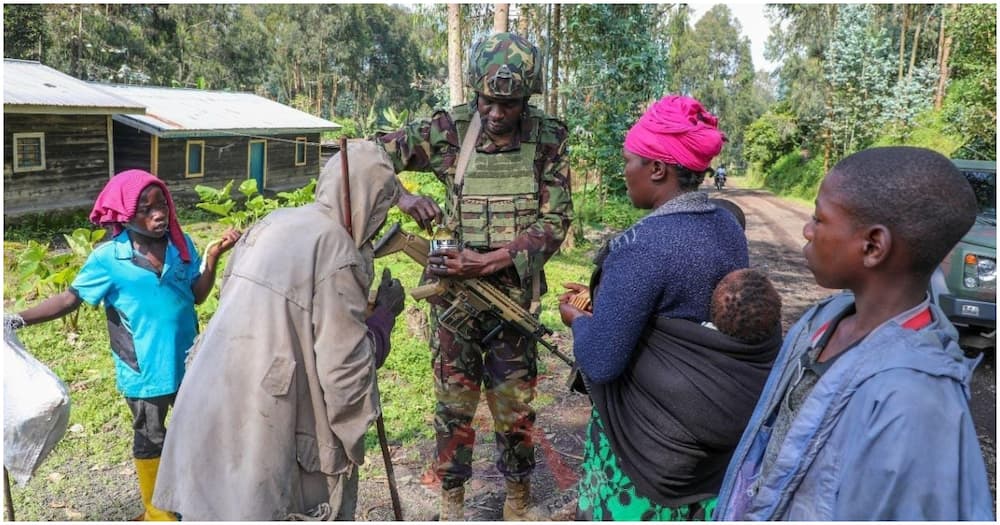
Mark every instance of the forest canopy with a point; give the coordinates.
(850, 75)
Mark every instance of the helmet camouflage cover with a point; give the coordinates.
(505, 65)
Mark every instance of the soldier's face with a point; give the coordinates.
(500, 116)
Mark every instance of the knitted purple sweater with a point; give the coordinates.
(667, 264)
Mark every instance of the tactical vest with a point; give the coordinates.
(499, 196)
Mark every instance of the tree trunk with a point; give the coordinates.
(828, 133)
(500, 15)
(942, 64)
(945, 55)
(552, 108)
(300, 81)
(319, 96)
(333, 98)
(455, 54)
(902, 40)
(77, 65)
(913, 51)
(523, 18)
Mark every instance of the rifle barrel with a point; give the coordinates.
(555, 350)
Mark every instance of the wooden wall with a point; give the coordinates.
(76, 156)
(226, 158)
(76, 162)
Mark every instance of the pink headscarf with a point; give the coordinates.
(118, 200)
(677, 130)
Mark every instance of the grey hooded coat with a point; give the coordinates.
(271, 417)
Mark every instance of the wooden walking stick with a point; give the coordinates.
(347, 186)
(397, 509)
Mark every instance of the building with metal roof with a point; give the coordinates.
(57, 136)
(176, 112)
(31, 87)
(191, 136)
(64, 137)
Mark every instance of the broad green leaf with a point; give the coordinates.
(62, 278)
(206, 193)
(256, 203)
(218, 209)
(248, 187)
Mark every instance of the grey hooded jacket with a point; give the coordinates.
(886, 433)
(273, 410)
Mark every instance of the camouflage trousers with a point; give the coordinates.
(507, 368)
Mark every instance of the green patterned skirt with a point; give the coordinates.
(607, 494)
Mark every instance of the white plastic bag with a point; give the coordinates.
(35, 409)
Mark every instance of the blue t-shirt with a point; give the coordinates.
(151, 319)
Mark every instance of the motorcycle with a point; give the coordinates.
(720, 180)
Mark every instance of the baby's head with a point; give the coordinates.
(745, 306)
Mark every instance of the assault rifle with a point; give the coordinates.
(467, 299)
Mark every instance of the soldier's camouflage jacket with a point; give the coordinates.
(433, 145)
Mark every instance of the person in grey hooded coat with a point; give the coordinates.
(270, 421)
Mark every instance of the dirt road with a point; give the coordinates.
(774, 229)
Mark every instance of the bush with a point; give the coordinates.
(930, 131)
(795, 176)
(50, 226)
(615, 212)
(769, 137)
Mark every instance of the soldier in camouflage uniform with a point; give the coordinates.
(510, 215)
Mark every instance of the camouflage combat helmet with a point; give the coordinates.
(505, 66)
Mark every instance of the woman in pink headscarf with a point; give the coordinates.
(670, 396)
(149, 278)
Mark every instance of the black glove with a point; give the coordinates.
(390, 293)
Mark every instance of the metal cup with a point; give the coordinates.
(444, 244)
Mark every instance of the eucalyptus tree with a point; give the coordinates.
(859, 68)
(610, 81)
(212, 46)
(344, 60)
(712, 63)
(970, 104)
(25, 32)
(243, 49)
(455, 83)
(102, 42)
(501, 17)
(555, 38)
(799, 41)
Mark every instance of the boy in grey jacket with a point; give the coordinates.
(865, 415)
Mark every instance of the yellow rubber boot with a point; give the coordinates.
(146, 469)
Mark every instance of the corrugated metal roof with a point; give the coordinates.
(30, 86)
(178, 112)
